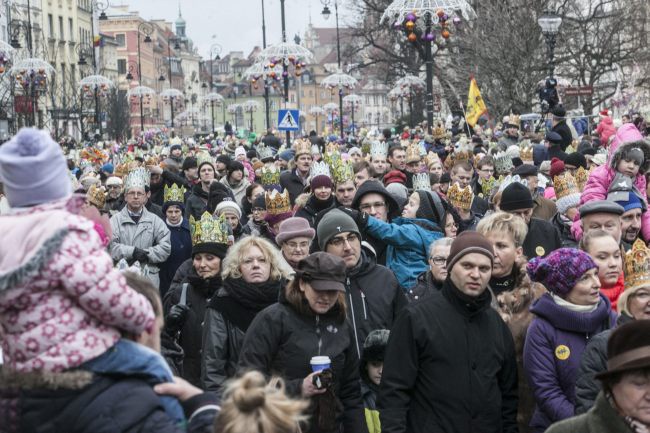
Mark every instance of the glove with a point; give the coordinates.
(361, 218)
(176, 318)
(140, 255)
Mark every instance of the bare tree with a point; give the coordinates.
(118, 113)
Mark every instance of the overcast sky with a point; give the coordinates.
(234, 24)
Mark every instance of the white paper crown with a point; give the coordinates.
(319, 168)
(315, 150)
(503, 162)
(512, 179)
(137, 178)
(265, 152)
(421, 182)
(379, 149)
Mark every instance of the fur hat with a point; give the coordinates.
(374, 345)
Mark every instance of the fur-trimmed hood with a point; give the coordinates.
(628, 137)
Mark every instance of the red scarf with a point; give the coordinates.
(614, 291)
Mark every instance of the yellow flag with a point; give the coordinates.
(475, 104)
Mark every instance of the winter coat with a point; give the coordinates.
(180, 240)
(424, 287)
(376, 187)
(563, 225)
(374, 298)
(556, 339)
(369, 397)
(605, 130)
(602, 418)
(281, 341)
(239, 190)
(77, 402)
(293, 183)
(199, 292)
(543, 208)
(313, 210)
(449, 367)
(594, 361)
(565, 132)
(408, 242)
(61, 301)
(542, 238)
(150, 234)
(196, 203)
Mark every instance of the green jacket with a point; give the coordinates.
(601, 418)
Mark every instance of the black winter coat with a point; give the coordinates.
(424, 287)
(196, 203)
(281, 341)
(542, 238)
(564, 229)
(450, 367)
(565, 132)
(293, 183)
(314, 208)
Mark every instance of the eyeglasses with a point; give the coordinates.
(438, 260)
(367, 206)
(338, 242)
(295, 245)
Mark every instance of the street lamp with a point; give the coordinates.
(353, 102)
(341, 82)
(326, 14)
(550, 24)
(215, 51)
(409, 85)
(170, 94)
(146, 29)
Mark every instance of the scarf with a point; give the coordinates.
(206, 286)
(502, 284)
(614, 292)
(174, 225)
(573, 307)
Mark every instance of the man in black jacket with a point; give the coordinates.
(450, 364)
(560, 126)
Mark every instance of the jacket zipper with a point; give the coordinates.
(363, 301)
(354, 319)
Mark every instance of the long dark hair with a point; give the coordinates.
(296, 298)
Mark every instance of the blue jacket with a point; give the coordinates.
(408, 241)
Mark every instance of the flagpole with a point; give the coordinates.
(469, 133)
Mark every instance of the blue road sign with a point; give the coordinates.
(288, 120)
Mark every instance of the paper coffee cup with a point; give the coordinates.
(320, 363)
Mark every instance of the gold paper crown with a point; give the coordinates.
(637, 265)
(302, 147)
(277, 203)
(438, 132)
(565, 185)
(457, 156)
(412, 152)
(202, 157)
(151, 161)
(421, 182)
(460, 198)
(209, 229)
(96, 196)
(121, 170)
(431, 158)
(581, 177)
(270, 176)
(513, 119)
(526, 153)
(174, 193)
(332, 147)
(488, 186)
(341, 171)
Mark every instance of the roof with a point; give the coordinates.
(327, 35)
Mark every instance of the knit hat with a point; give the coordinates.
(33, 169)
(228, 205)
(294, 227)
(240, 151)
(234, 166)
(428, 209)
(399, 192)
(334, 222)
(189, 162)
(107, 168)
(224, 159)
(320, 181)
(394, 176)
(561, 270)
(113, 180)
(628, 348)
(175, 147)
(466, 243)
(374, 346)
(516, 196)
(632, 202)
(576, 160)
(545, 167)
(557, 167)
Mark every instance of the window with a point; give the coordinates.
(71, 29)
(121, 66)
(61, 33)
(120, 39)
(50, 22)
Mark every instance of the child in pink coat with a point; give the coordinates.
(629, 157)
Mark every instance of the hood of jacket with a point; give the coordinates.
(377, 188)
(626, 133)
(567, 320)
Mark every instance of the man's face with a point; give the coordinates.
(532, 183)
(236, 176)
(631, 225)
(398, 160)
(174, 214)
(471, 274)
(345, 193)
(232, 219)
(207, 173)
(191, 173)
(114, 191)
(156, 179)
(360, 177)
(526, 214)
(303, 163)
(347, 246)
(135, 199)
(485, 172)
(220, 166)
(611, 223)
(374, 205)
(505, 253)
(379, 164)
(176, 153)
(355, 157)
(438, 262)
(461, 176)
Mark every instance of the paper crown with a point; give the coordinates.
(152, 160)
(332, 147)
(265, 152)
(581, 177)
(319, 168)
(438, 132)
(277, 203)
(302, 147)
(503, 163)
(505, 181)
(209, 229)
(431, 158)
(421, 182)
(378, 149)
(566, 192)
(526, 153)
(202, 157)
(637, 265)
(96, 196)
(330, 158)
(460, 198)
(513, 120)
(342, 171)
(457, 156)
(488, 186)
(137, 178)
(412, 152)
(270, 176)
(174, 193)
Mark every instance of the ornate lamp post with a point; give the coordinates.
(342, 82)
(270, 76)
(409, 86)
(214, 99)
(250, 107)
(171, 97)
(352, 102)
(316, 111)
(215, 51)
(31, 76)
(331, 109)
(95, 87)
(550, 24)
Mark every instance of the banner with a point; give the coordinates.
(475, 104)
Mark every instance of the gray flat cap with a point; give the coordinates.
(600, 206)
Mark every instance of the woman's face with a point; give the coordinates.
(296, 249)
(323, 193)
(412, 206)
(206, 265)
(638, 304)
(254, 266)
(320, 301)
(451, 228)
(587, 289)
(607, 255)
(436, 168)
(632, 396)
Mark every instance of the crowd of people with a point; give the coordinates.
(426, 280)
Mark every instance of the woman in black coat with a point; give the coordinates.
(310, 321)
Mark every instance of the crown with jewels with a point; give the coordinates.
(265, 152)
(342, 171)
(488, 186)
(270, 176)
(526, 153)
(277, 203)
(302, 147)
(378, 149)
(513, 121)
(581, 177)
(152, 160)
(637, 265)
(439, 132)
(209, 229)
(421, 182)
(503, 163)
(174, 193)
(137, 178)
(460, 198)
(319, 168)
(96, 196)
(412, 152)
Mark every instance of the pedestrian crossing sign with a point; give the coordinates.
(288, 120)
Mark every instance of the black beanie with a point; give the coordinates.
(223, 159)
(213, 248)
(189, 162)
(516, 196)
(425, 210)
(576, 159)
(234, 166)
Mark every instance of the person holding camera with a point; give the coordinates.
(306, 340)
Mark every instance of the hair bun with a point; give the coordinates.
(251, 394)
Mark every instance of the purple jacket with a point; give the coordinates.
(554, 344)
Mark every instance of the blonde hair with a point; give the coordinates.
(251, 405)
(504, 222)
(230, 265)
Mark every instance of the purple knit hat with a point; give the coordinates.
(560, 271)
